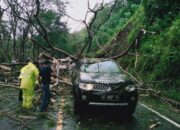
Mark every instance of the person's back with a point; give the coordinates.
(28, 75)
(45, 73)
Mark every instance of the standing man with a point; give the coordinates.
(29, 74)
(45, 73)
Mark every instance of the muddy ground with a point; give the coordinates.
(61, 116)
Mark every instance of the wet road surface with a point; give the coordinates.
(93, 119)
(111, 119)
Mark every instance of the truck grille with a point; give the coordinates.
(104, 87)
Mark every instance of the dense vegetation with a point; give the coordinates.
(20, 22)
(158, 62)
(121, 14)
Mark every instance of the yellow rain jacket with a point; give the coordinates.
(28, 76)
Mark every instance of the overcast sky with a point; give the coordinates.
(77, 9)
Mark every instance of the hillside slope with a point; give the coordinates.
(156, 57)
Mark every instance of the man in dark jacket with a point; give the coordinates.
(45, 74)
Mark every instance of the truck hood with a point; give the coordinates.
(112, 78)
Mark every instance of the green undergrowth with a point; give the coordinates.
(161, 107)
(109, 30)
(174, 94)
(159, 57)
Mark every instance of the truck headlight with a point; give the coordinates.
(130, 88)
(86, 86)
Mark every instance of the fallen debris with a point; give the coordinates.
(4, 68)
(9, 79)
(26, 124)
(154, 125)
(27, 117)
(9, 85)
(157, 94)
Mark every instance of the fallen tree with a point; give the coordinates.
(9, 85)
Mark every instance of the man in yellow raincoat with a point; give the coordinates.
(29, 74)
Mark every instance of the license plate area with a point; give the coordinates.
(110, 97)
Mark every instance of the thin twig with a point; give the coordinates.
(16, 119)
(26, 124)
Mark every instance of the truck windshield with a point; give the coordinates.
(101, 67)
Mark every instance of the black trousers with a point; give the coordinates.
(45, 97)
(20, 98)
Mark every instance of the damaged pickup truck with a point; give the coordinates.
(100, 82)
